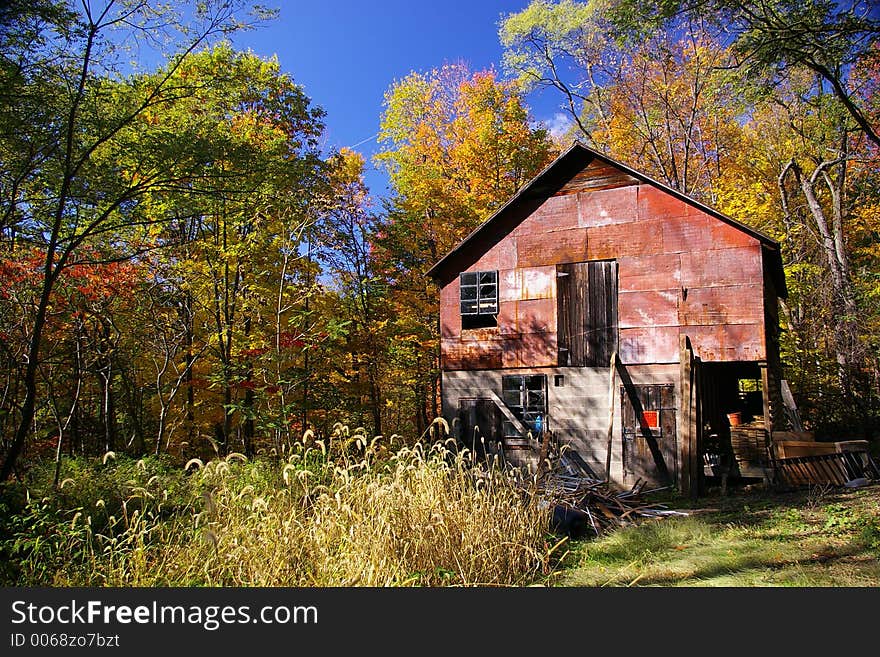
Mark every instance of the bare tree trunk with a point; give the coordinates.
(844, 308)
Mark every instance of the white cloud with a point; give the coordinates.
(559, 125)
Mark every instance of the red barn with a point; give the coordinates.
(598, 303)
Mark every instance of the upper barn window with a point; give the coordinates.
(479, 299)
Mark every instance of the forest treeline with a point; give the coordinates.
(185, 271)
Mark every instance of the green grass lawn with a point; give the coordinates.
(807, 538)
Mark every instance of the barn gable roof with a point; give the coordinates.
(548, 182)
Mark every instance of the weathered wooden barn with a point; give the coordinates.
(598, 303)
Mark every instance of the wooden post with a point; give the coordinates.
(542, 455)
(686, 405)
(610, 417)
(698, 483)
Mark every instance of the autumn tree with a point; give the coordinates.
(346, 230)
(669, 102)
(69, 127)
(826, 37)
(456, 145)
(236, 273)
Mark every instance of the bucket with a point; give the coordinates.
(735, 419)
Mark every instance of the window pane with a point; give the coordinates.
(535, 400)
(469, 278)
(512, 398)
(488, 292)
(509, 430)
(468, 292)
(469, 308)
(509, 382)
(489, 277)
(535, 382)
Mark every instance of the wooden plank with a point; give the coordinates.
(596, 175)
(612, 368)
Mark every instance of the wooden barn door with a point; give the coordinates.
(649, 434)
(587, 312)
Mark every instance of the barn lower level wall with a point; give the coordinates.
(578, 409)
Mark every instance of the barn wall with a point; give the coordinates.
(681, 271)
(578, 410)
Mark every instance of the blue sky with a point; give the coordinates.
(347, 53)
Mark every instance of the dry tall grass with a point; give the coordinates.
(423, 516)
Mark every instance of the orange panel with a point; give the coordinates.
(727, 342)
(711, 306)
(726, 235)
(539, 282)
(538, 350)
(450, 310)
(507, 318)
(688, 234)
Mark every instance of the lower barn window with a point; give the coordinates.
(526, 396)
(479, 299)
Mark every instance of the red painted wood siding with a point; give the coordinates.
(681, 271)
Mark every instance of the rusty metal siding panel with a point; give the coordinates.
(726, 235)
(538, 282)
(726, 342)
(657, 344)
(555, 214)
(538, 349)
(551, 248)
(721, 267)
(734, 304)
(649, 272)
(656, 203)
(450, 311)
(471, 355)
(536, 316)
(501, 256)
(529, 350)
(611, 206)
(510, 285)
(640, 238)
(687, 234)
(507, 318)
(647, 308)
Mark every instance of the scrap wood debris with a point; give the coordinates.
(583, 502)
